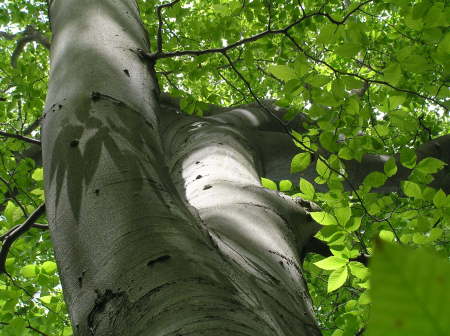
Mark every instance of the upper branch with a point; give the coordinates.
(159, 41)
(30, 34)
(339, 22)
(159, 54)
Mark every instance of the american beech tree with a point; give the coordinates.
(204, 160)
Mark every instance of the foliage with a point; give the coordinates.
(370, 77)
(410, 291)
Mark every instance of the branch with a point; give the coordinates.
(159, 54)
(40, 226)
(231, 84)
(9, 237)
(30, 34)
(20, 137)
(374, 81)
(339, 22)
(277, 150)
(159, 8)
(317, 246)
(35, 124)
(7, 36)
(28, 327)
(36, 330)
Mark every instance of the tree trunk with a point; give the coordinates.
(159, 222)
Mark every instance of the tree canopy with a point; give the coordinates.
(360, 91)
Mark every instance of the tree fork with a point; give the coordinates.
(141, 250)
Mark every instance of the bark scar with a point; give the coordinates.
(100, 305)
(160, 259)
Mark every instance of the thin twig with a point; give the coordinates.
(339, 22)
(231, 84)
(20, 137)
(28, 327)
(12, 195)
(9, 238)
(159, 40)
(36, 330)
(373, 81)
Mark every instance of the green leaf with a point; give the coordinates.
(328, 141)
(395, 101)
(38, 174)
(393, 74)
(430, 165)
(338, 332)
(410, 293)
(16, 327)
(323, 218)
(408, 157)
(364, 298)
(301, 65)
(285, 185)
(413, 23)
(343, 215)
(67, 331)
(348, 49)
(411, 189)
(46, 299)
(419, 238)
(375, 179)
(28, 271)
(440, 199)
(352, 83)
(322, 169)
(269, 184)
(345, 153)
(220, 9)
(331, 263)
(387, 235)
(327, 34)
(12, 212)
(353, 106)
(49, 267)
(383, 130)
(358, 270)
(307, 188)
(318, 80)
(434, 234)
(300, 162)
(354, 224)
(337, 279)
(283, 72)
(390, 168)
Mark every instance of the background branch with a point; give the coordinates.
(30, 34)
(11, 236)
(20, 137)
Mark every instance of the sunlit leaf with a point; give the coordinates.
(331, 263)
(300, 162)
(337, 279)
(323, 218)
(268, 183)
(307, 188)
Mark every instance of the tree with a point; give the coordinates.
(172, 215)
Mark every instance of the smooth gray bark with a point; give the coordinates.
(159, 222)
